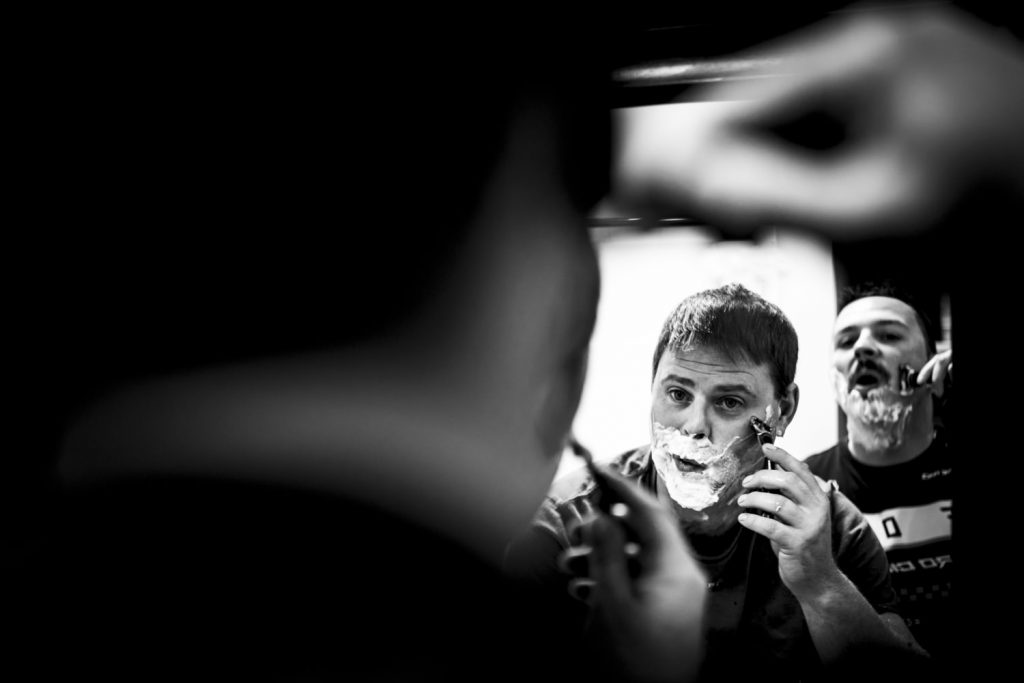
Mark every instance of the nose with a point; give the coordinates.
(864, 346)
(695, 424)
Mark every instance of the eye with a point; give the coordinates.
(891, 337)
(844, 342)
(731, 403)
(678, 395)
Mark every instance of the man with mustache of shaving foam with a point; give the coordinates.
(895, 463)
(798, 585)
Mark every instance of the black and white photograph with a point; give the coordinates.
(513, 343)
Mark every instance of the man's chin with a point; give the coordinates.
(701, 506)
(881, 407)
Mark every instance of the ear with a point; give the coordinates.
(787, 407)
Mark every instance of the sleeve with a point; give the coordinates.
(533, 555)
(860, 556)
(823, 464)
(531, 561)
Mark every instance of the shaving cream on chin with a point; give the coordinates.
(690, 490)
(881, 409)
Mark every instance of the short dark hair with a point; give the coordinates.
(738, 322)
(888, 289)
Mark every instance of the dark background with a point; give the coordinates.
(52, 315)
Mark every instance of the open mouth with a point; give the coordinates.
(867, 376)
(687, 465)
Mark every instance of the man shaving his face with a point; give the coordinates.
(874, 337)
(797, 583)
(702, 445)
(698, 475)
(896, 462)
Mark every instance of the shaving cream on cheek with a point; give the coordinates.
(695, 487)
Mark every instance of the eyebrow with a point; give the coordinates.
(877, 323)
(718, 388)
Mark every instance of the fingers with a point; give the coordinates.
(778, 506)
(741, 174)
(751, 175)
(648, 519)
(771, 529)
(608, 560)
(743, 179)
(575, 560)
(795, 479)
(784, 483)
(836, 60)
(915, 106)
(793, 500)
(739, 178)
(936, 369)
(599, 553)
(786, 524)
(581, 588)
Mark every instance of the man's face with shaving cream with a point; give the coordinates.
(701, 439)
(872, 337)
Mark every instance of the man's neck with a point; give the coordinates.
(917, 437)
(709, 543)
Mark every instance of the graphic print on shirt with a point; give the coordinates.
(906, 527)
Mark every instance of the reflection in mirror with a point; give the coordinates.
(645, 274)
(646, 270)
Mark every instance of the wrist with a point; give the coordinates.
(822, 592)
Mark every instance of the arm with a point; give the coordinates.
(840, 619)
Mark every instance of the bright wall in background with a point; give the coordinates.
(644, 276)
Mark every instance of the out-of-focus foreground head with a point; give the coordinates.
(360, 270)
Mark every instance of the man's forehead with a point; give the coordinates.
(872, 310)
(712, 363)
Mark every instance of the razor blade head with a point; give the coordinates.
(764, 433)
(907, 379)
